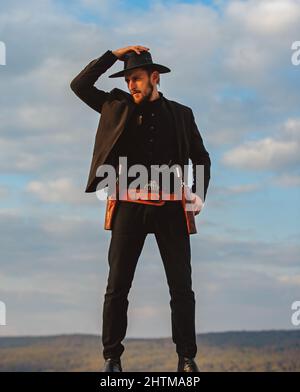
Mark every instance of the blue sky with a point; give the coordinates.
(230, 62)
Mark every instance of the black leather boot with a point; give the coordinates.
(112, 365)
(186, 364)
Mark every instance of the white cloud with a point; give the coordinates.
(293, 280)
(245, 188)
(224, 191)
(292, 128)
(61, 190)
(21, 160)
(266, 154)
(265, 16)
(287, 180)
(270, 153)
(4, 192)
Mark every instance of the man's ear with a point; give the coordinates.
(156, 73)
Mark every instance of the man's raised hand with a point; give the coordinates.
(122, 51)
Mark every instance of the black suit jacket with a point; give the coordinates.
(115, 108)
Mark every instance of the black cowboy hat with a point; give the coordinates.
(133, 60)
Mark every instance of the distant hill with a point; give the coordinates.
(225, 351)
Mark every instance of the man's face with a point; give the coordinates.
(139, 85)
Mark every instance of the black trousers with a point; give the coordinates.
(132, 222)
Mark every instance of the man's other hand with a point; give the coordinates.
(197, 203)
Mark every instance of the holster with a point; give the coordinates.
(113, 201)
(111, 206)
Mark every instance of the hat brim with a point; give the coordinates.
(160, 68)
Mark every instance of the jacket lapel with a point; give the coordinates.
(115, 115)
(176, 123)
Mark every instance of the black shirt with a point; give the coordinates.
(148, 137)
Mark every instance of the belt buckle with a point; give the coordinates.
(152, 187)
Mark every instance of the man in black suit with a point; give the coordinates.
(148, 129)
